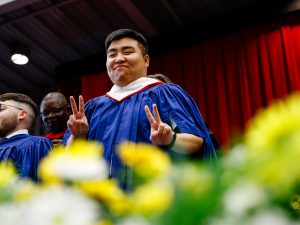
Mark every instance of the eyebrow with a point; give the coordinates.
(122, 49)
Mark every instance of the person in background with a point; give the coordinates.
(55, 112)
(161, 77)
(17, 115)
(137, 109)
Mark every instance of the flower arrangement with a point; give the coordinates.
(256, 182)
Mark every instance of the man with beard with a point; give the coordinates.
(55, 112)
(17, 115)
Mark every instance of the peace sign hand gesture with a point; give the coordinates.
(77, 123)
(161, 133)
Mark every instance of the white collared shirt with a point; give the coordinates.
(23, 131)
(119, 93)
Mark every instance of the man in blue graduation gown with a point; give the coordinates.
(137, 108)
(17, 115)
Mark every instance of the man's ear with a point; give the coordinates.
(147, 60)
(22, 114)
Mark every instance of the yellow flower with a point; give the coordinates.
(275, 128)
(108, 192)
(295, 203)
(278, 173)
(147, 160)
(82, 160)
(7, 173)
(152, 198)
(273, 141)
(84, 148)
(26, 191)
(48, 163)
(194, 180)
(104, 222)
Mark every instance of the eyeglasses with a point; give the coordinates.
(53, 111)
(1, 107)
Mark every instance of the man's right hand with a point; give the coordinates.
(77, 123)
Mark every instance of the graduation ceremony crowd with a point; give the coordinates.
(138, 108)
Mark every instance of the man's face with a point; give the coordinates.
(54, 114)
(8, 118)
(125, 62)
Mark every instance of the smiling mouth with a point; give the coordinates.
(121, 66)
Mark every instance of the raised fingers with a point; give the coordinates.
(150, 116)
(73, 106)
(77, 114)
(81, 104)
(156, 113)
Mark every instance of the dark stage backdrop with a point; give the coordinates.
(230, 77)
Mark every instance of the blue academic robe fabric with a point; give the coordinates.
(112, 122)
(25, 151)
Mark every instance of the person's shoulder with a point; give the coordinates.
(38, 139)
(173, 92)
(94, 101)
(26, 141)
(169, 88)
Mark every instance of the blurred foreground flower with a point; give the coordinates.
(82, 161)
(275, 128)
(147, 160)
(152, 198)
(8, 173)
(109, 193)
(60, 205)
(273, 146)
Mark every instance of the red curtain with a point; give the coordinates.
(95, 85)
(230, 77)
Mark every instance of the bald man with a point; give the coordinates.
(55, 112)
(17, 115)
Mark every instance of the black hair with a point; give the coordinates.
(129, 33)
(161, 77)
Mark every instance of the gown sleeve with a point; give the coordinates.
(176, 106)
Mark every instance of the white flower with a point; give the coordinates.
(10, 214)
(272, 217)
(260, 217)
(133, 220)
(60, 205)
(243, 196)
(237, 157)
(84, 168)
(229, 220)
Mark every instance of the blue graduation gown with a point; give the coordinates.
(25, 151)
(111, 122)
